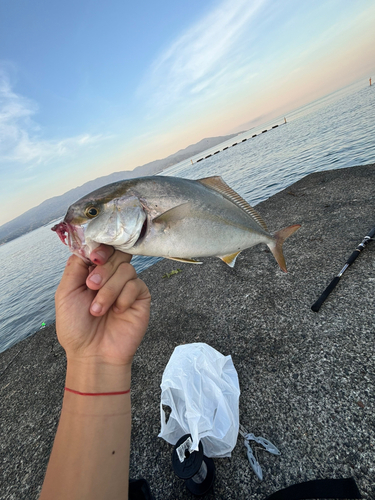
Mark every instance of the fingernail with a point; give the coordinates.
(96, 308)
(96, 278)
(101, 254)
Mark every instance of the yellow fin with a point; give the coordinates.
(230, 259)
(187, 261)
(217, 184)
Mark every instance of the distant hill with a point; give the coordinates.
(55, 207)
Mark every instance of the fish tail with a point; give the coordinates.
(276, 246)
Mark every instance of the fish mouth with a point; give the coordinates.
(73, 237)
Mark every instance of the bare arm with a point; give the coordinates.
(90, 455)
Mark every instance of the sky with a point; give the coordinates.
(89, 88)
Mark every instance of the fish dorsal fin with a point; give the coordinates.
(217, 184)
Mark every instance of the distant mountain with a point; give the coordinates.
(55, 207)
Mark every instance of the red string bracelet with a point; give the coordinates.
(96, 393)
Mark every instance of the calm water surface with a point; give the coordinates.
(334, 132)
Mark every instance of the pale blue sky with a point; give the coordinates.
(91, 87)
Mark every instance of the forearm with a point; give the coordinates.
(90, 455)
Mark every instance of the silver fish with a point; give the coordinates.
(169, 217)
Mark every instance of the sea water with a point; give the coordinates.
(336, 131)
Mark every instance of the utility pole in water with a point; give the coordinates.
(370, 82)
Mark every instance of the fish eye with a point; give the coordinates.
(91, 212)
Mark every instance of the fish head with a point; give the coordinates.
(116, 221)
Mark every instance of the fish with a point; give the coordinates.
(171, 217)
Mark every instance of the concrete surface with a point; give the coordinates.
(307, 379)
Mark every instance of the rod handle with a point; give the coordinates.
(353, 256)
(317, 305)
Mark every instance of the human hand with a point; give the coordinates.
(102, 313)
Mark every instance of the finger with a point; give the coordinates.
(74, 276)
(101, 254)
(108, 294)
(133, 291)
(99, 276)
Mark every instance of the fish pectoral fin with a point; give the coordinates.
(230, 259)
(174, 214)
(186, 260)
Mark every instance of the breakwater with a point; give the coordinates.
(234, 144)
(306, 378)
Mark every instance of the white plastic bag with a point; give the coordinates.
(201, 387)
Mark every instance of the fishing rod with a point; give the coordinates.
(370, 236)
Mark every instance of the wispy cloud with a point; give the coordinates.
(21, 137)
(201, 57)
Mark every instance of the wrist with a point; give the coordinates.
(94, 376)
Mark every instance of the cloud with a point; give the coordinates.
(200, 59)
(21, 138)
